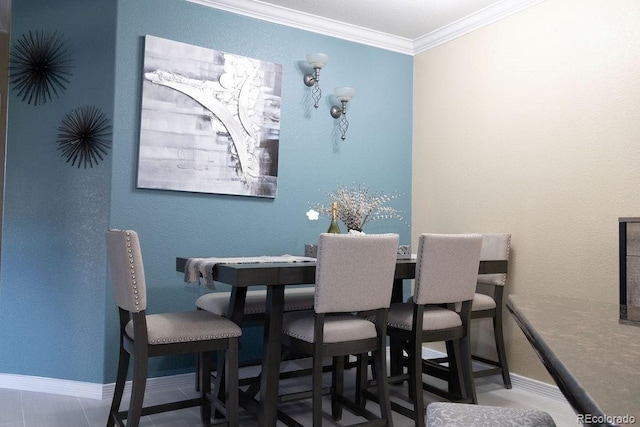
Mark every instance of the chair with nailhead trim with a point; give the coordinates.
(495, 246)
(353, 273)
(446, 271)
(145, 335)
(487, 304)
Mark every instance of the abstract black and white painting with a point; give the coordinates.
(210, 121)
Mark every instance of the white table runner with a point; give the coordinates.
(197, 268)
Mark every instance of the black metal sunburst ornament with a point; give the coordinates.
(39, 65)
(83, 136)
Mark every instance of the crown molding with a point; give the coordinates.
(316, 24)
(305, 21)
(479, 19)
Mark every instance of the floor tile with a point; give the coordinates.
(10, 408)
(50, 410)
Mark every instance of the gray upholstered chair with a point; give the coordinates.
(295, 299)
(488, 303)
(446, 272)
(446, 414)
(353, 273)
(145, 335)
(299, 298)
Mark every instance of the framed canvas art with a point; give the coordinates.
(210, 121)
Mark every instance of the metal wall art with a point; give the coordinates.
(83, 136)
(39, 65)
(210, 121)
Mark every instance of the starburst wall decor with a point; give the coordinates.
(39, 65)
(83, 136)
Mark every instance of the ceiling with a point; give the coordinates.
(406, 26)
(403, 18)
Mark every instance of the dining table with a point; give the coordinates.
(592, 357)
(275, 276)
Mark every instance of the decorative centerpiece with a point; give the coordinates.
(357, 206)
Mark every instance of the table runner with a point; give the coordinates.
(196, 268)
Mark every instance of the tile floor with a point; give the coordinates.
(32, 409)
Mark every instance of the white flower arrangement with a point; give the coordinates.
(357, 206)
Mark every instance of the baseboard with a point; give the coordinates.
(517, 381)
(105, 391)
(85, 389)
(52, 385)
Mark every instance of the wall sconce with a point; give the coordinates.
(344, 94)
(317, 61)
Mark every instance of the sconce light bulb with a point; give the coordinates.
(344, 93)
(317, 60)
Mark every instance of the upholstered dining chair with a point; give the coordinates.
(495, 246)
(145, 335)
(255, 306)
(488, 304)
(446, 271)
(447, 414)
(353, 273)
(300, 298)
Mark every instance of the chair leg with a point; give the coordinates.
(121, 379)
(380, 368)
(500, 349)
(337, 379)
(457, 377)
(453, 358)
(411, 390)
(219, 384)
(468, 382)
(204, 386)
(361, 379)
(197, 385)
(316, 392)
(232, 402)
(140, 366)
(415, 381)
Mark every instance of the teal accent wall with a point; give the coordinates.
(58, 317)
(53, 273)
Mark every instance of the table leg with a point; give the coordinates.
(269, 381)
(236, 304)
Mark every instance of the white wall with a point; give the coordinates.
(532, 126)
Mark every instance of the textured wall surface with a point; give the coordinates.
(53, 273)
(57, 314)
(312, 159)
(530, 126)
(4, 81)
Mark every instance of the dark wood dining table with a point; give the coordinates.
(275, 277)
